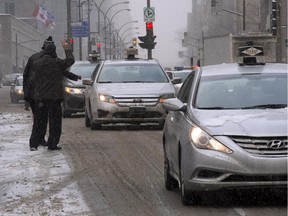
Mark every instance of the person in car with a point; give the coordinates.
(48, 94)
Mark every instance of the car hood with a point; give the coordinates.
(269, 122)
(73, 83)
(120, 89)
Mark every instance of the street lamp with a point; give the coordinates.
(106, 17)
(110, 23)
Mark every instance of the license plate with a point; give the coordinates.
(137, 110)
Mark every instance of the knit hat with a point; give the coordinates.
(50, 49)
(49, 40)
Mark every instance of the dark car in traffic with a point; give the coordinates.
(74, 90)
(16, 90)
(9, 79)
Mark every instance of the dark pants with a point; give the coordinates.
(52, 111)
(44, 122)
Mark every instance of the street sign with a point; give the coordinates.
(149, 14)
(216, 7)
(79, 29)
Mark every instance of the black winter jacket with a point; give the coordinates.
(48, 75)
(27, 82)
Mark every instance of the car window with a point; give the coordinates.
(184, 91)
(132, 73)
(182, 75)
(234, 92)
(85, 71)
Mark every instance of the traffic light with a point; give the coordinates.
(98, 47)
(134, 42)
(70, 42)
(274, 17)
(148, 40)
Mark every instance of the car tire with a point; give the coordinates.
(170, 182)
(65, 113)
(95, 126)
(187, 197)
(87, 120)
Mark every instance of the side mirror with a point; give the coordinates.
(174, 104)
(87, 82)
(177, 80)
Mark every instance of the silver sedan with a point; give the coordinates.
(227, 129)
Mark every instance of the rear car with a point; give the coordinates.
(127, 91)
(227, 129)
(9, 79)
(16, 90)
(180, 73)
(74, 90)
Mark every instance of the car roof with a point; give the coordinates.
(234, 68)
(85, 62)
(129, 61)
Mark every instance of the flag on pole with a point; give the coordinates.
(44, 16)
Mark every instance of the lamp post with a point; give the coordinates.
(110, 32)
(106, 17)
(16, 48)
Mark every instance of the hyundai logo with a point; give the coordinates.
(275, 144)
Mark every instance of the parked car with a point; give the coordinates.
(74, 90)
(16, 90)
(227, 129)
(8, 79)
(127, 91)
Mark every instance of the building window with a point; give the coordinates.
(10, 8)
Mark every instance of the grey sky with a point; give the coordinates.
(170, 23)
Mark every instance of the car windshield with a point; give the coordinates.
(132, 73)
(19, 82)
(84, 70)
(242, 92)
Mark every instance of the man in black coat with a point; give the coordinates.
(48, 94)
(28, 87)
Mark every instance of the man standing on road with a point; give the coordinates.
(48, 94)
(28, 87)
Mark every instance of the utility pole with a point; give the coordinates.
(149, 51)
(80, 38)
(68, 19)
(278, 34)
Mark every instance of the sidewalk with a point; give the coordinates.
(34, 182)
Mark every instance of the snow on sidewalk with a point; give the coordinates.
(34, 182)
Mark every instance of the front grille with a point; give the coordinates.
(260, 146)
(136, 101)
(137, 115)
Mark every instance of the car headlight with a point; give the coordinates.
(106, 98)
(70, 90)
(163, 97)
(19, 91)
(204, 141)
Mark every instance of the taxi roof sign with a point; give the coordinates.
(249, 49)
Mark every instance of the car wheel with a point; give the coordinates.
(187, 197)
(170, 182)
(161, 125)
(87, 120)
(95, 126)
(65, 113)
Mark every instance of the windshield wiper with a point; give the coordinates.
(264, 106)
(211, 108)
